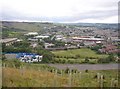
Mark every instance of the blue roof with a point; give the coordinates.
(18, 55)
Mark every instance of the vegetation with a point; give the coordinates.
(47, 55)
(23, 27)
(96, 48)
(82, 55)
(11, 32)
(17, 47)
(34, 75)
(24, 46)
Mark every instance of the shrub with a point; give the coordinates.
(86, 70)
(74, 70)
(67, 70)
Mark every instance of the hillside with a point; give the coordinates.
(25, 26)
(39, 75)
(17, 29)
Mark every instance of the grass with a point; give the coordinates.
(83, 53)
(30, 78)
(32, 75)
(77, 56)
(26, 26)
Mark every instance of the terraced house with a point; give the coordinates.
(9, 41)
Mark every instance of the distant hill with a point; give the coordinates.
(98, 25)
(25, 26)
(38, 26)
(17, 29)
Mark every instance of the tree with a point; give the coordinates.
(96, 48)
(47, 55)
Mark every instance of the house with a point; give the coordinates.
(109, 49)
(47, 45)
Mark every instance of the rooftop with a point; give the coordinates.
(8, 40)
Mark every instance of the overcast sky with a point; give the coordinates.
(72, 11)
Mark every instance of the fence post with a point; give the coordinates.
(80, 75)
(101, 81)
(98, 78)
(52, 70)
(55, 78)
(112, 82)
(115, 83)
(61, 73)
(69, 79)
(4, 65)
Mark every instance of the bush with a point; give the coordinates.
(63, 61)
(74, 70)
(67, 70)
(86, 70)
(86, 60)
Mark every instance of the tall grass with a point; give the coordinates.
(34, 75)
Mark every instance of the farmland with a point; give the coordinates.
(78, 55)
(83, 52)
(41, 75)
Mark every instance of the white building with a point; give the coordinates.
(32, 33)
(47, 45)
(29, 58)
(41, 37)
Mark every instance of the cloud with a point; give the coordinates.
(60, 10)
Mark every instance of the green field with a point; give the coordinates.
(40, 75)
(25, 26)
(78, 55)
(83, 53)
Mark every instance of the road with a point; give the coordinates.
(86, 66)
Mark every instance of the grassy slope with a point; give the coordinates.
(31, 78)
(26, 26)
(14, 77)
(18, 29)
(83, 52)
(35, 75)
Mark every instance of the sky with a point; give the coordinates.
(60, 11)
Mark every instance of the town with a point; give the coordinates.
(55, 37)
(59, 55)
(72, 44)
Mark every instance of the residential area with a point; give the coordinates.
(64, 37)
